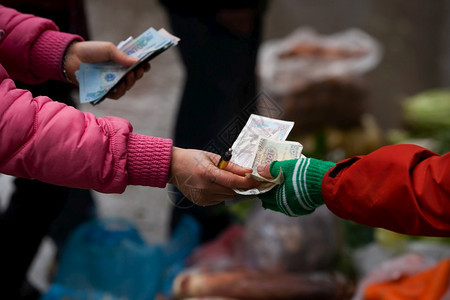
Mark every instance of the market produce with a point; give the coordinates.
(288, 65)
(317, 80)
(273, 241)
(225, 251)
(308, 49)
(332, 102)
(248, 284)
(428, 111)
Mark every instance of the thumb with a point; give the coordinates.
(121, 57)
(264, 171)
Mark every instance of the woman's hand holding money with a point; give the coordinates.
(195, 174)
(96, 52)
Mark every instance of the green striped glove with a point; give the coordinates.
(300, 193)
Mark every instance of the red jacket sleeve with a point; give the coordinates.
(403, 188)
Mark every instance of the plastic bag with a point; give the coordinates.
(410, 276)
(107, 258)
(316, 80)
(222, 253)
(184, 240)
(273, 241)
(289, 64)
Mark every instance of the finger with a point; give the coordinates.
(232, 181)
(118, 91)
(211, 196)
(209, 202)
(264, 171)
(130, 79)
(212, 191)
(237, 169)
(139, 73)
(221, 192)
(147, 67)
(213, 199)
(213, 202)
(121, 57)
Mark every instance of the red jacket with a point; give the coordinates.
(403, 188)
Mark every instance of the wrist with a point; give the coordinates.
(301, 192)
(66, 75)
(70, 63)
(176, 152)
(314, 173)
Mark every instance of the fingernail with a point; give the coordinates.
(260, 168)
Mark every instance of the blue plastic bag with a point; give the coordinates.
(185, 238)
(108, 258)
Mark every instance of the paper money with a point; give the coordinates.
(261, 141)
(97, 80)
(270, 150)
(246, 144)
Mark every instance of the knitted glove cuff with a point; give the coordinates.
(311, 173)
(301, 192)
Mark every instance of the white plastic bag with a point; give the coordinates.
(289, 64)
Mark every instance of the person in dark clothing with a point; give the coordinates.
(218, 48)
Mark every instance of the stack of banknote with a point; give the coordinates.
(97, 80)
(261, 141)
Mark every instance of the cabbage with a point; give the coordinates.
(427, 115)
(428, 111)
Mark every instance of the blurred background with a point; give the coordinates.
(415, 43)
(342, 111)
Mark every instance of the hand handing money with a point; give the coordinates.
(261, 141)
(97, 80)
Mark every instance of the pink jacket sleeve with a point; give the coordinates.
(58, 144)
(31, 49)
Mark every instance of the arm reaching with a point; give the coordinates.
(403, 188)
(33, 51)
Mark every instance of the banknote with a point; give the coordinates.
(148, 42)
(97, 80)
(246, 144)
(270, 150)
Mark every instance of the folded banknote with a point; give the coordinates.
(261, 141)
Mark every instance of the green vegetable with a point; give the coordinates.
(426, 115)
(428, 111)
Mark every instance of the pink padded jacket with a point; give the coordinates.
(55, 143)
